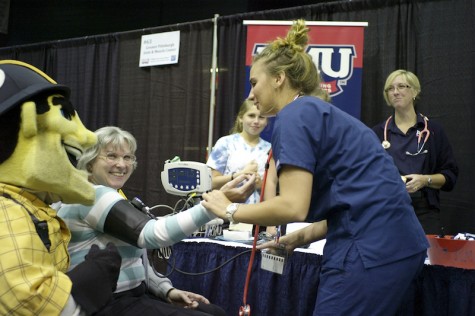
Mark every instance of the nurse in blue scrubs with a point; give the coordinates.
(333, 172)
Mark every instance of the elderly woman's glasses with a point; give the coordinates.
(400, 87)
(114, 158)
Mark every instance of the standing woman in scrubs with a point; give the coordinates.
(333, 172)
(419, 147)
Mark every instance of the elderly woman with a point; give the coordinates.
(112, 218)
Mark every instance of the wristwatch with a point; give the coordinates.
(230, 210)
(429, 181)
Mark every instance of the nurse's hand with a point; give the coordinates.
(216, 202)
(313, 232)
(286, 243)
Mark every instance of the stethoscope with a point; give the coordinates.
(386, 144)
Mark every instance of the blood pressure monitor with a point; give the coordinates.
(186, 177)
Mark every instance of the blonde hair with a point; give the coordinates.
(322, 94)
(410, 78)
(245, 106)
(288, 55)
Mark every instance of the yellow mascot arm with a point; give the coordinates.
(33, 280)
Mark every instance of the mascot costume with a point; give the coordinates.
(41, 137)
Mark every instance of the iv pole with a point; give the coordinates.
(214, 70)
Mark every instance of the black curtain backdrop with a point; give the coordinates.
(89, 66)
(167, 107)
(4, 13)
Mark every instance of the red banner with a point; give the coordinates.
(336, 49)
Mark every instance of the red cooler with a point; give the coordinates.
(449, 252)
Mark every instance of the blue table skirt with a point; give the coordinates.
(439, 290)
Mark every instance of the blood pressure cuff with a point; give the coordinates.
(125, 222)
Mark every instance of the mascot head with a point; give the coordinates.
(41, 136)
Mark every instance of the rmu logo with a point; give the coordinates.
(335, 63)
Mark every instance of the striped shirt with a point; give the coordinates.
(87, 228)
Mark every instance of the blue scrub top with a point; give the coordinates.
(356, 186)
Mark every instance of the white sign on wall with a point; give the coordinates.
(159, 49)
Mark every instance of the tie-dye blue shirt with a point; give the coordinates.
(231, 154)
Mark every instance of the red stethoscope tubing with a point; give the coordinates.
(425, 130)
(246, 309)
(386, 143)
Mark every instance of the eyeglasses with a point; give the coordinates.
(400, 87)
(114, 158)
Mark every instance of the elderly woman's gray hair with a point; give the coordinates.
(108, 135)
